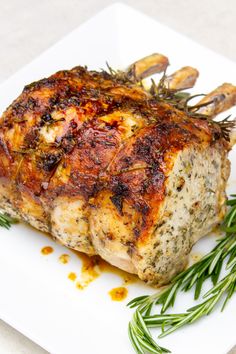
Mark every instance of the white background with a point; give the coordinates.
(28, 27)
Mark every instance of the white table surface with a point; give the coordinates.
(27, 27)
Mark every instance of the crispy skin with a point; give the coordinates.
(87, 157)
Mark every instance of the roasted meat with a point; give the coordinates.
(110, 168)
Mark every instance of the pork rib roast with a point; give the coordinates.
(110, 168)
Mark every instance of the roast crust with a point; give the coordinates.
(86, 142)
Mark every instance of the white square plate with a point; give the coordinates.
(36, 297)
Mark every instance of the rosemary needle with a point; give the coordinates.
(208, 267)
(6, 221)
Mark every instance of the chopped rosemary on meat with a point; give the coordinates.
(209, 266)
(6, 221)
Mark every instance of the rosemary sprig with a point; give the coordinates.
(6, 221)
(208, 267)
(174, 321)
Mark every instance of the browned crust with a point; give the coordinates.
(90, 155)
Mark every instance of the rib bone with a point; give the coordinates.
(222, 98)
(182, 79)
(152, 64)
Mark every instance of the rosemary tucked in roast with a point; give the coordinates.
(208, 267)
(178, 98)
